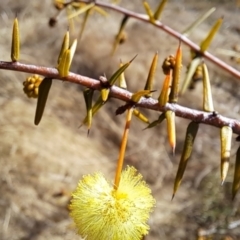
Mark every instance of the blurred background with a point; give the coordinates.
(41, 165)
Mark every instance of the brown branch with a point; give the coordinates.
(168, 30)
(212, 119)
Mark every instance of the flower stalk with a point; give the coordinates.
(123, 149)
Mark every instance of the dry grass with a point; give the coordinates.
(40, 166)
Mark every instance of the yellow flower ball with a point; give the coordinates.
(101, 212)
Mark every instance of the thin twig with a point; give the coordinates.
(212, 119)
(168, 30)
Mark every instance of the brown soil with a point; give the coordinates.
(41, 165)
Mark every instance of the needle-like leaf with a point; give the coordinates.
(159, 9)
(81, 10)
(171, 129)
(226, 140)
(207, 92)
(117, 74)
(149, 12)
(62, 63)
(104, 93)
(43, 91)
(140, 116)
(15, 50)
(88, 95)
(191, 70)
(85, 18)
(65, 46)
(156, 122)
(120, 33)
(66, 60)
(101, 11)
(198, 21)
(150, 79)
(207, 41)
(186, 154)
(136, 96)
(173, 97)
(164, 95)
(98, 104)
(121, 79)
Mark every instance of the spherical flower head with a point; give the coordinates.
(101, 212)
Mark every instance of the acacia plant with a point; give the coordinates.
(120, 211)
